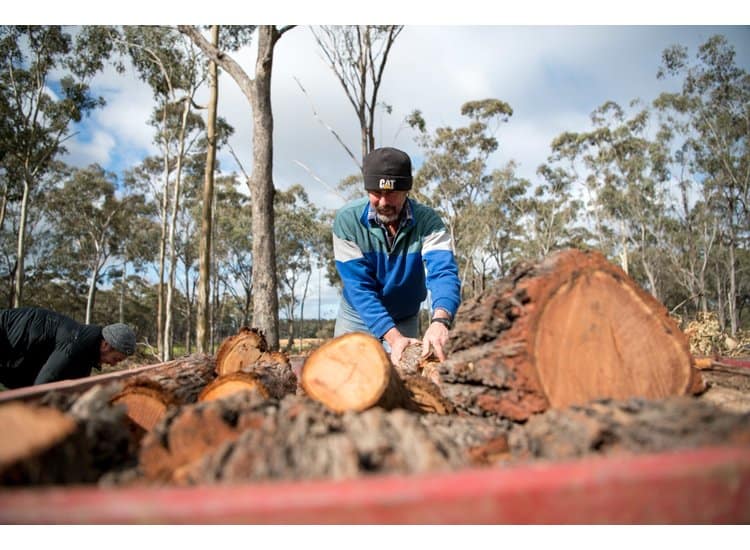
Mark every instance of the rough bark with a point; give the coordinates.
(77, 441)
(298, 438)
(148, 397)
(565, 331)
(632, 426)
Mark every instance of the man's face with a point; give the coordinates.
(387, 204)
(109, 355)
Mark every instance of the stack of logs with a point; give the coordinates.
(561, 358)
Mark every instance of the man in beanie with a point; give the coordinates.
(39, 346)
(382, 245)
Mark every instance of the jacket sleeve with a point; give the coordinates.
(61, 366)
(360, 286)
(442, 271)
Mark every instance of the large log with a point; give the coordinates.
(567, 330)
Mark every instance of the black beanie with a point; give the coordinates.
(387, 169)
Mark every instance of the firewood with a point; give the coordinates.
(147, 398)
(611, 427)
(303, 439)
(271, 375)
(565, 331)
(353, 373)
(240, 350)
(229, 384)
(28, 430)
(44, 445)
(187, 433)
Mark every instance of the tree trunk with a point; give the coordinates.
(202, 324)
(162, 251)
(20, 248)
(565, 331)
(169, 310)
(265, 284)
(258, 92)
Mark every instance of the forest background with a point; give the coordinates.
(629, 140)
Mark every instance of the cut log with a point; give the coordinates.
(271, 375)
(240, 350)
(230, 384)
(568, 330)
(353, 373)
(147, 398)
(185, 434)
(26, 431)
(146, 402)
(44, 445)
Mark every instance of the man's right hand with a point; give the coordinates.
(398, 343)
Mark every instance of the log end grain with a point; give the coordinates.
(348, 373)
(28, 430)
(231, 384)
(145, 401)
(240, 350)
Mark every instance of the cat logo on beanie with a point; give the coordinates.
(387, 169)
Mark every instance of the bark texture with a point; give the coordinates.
(565, 331)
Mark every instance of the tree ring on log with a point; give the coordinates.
(599, 334)
(348, 373)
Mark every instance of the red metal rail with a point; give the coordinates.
(705, 486)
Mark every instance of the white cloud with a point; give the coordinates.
(97, 150)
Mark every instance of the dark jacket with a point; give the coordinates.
(39, 346)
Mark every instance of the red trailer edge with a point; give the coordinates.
(703, 486)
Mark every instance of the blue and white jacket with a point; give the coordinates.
(384, 285)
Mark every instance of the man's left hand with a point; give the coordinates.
(435, 337)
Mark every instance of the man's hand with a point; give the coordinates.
(398, 343)
(436, 336)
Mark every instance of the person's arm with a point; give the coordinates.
(444, 285)
(61, 366)
(360, 286)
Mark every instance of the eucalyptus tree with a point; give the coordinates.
(711, 115)
(358, 54)
(44, 76)
(454, 177)
(233, 252)
(204, 281)
(91, 224)
(627, 178)
(297, 250)
(551, 213)
(257, 90)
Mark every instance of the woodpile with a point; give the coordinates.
(563, 358)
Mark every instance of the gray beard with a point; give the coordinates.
(388, 219)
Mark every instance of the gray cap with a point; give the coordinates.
(121, 337)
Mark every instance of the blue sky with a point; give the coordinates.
(554, 66)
